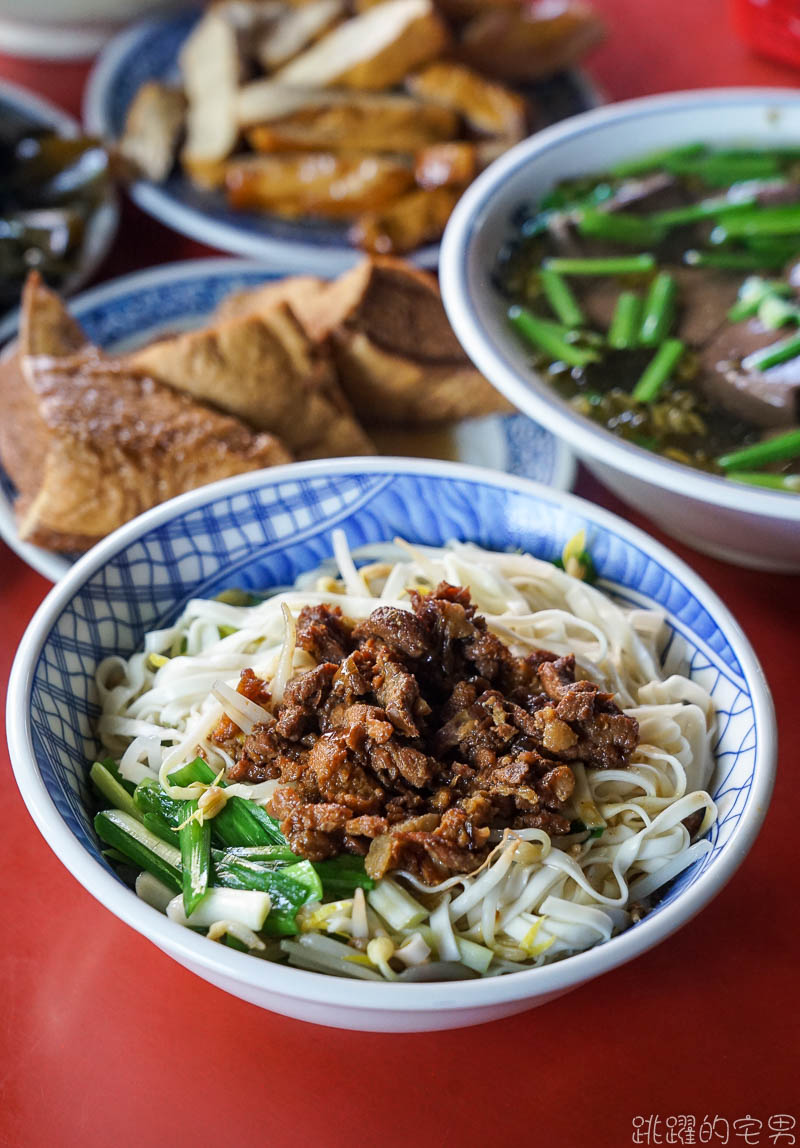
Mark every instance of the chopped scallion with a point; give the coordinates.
(773, 355)
(657, 159)
(122, 831)
(606, 265)
(195, 845)
(776, 449)
(723, 169)
(782, 220)
(112, 790)
(624, 330)
(734, 260)
(658, 370)
(752, 294)
(787, 482)
(659, 310)
(540, 333)
(620, 227)
(560, 297)
(719, 206)
(775, 312)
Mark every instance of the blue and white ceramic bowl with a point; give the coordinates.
(264, 529)
(149, 51)
(135, 309)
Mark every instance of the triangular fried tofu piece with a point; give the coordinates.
(110, 443)
(267, 371)
(45, 325)
(398, 358)
(45, 328)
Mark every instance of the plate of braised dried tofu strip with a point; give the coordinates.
(267, 128)
(167, 379)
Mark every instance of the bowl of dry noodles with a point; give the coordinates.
(391, 744)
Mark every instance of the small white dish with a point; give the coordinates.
(135, 309)
(757, 528)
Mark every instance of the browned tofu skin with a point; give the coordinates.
(519, 44)
(370, 123)
(451, 164)
(153, 127)
(487, 106)
(317, 183)
(410, 221)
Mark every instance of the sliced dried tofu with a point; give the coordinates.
(265, 370)
(486, 106)
(210, 66)
(248, 16)
(262, 101)
(295, 30)
(530, 42)
(209, 174)
(415, 218)
(452, 164)
(317, 183)
(373, 50)
(153, 127)
(251, 21)
(365, 123)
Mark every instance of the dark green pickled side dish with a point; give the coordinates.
(49, 187)
(661, 299)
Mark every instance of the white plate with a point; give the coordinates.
(149, 51)
(136, 309)
(102, 226)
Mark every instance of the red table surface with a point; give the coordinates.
(107, 1041)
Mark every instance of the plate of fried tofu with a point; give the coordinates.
(165, 380)
(269, 128)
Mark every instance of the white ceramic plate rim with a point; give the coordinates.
(52, 565)
(39, 107)
(532, 395)
(296, 983)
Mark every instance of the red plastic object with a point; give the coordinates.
(770, 27)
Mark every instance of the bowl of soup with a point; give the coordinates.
(629, 280)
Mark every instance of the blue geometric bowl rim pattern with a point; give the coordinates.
(700, 617)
